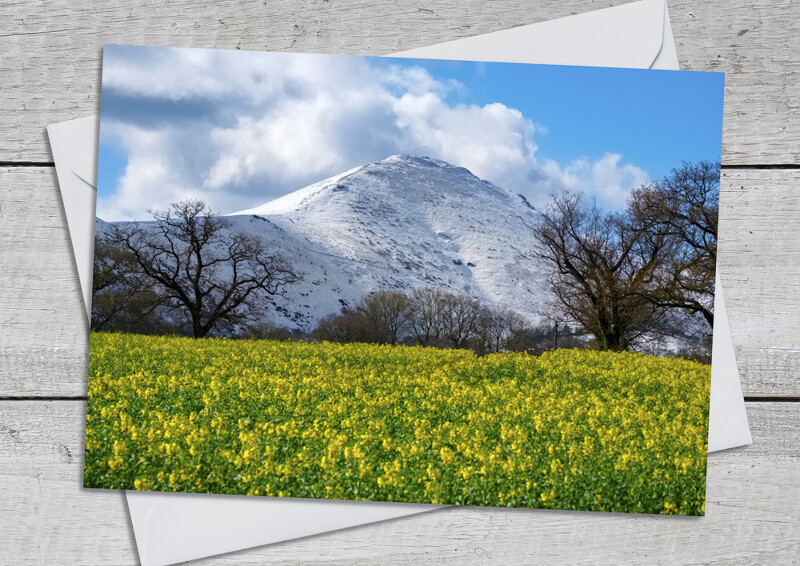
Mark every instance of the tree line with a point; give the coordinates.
(429, 316)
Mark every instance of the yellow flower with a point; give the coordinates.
(394, 422)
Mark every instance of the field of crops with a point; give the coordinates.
(567, 430)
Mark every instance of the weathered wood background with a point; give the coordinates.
(50, 72)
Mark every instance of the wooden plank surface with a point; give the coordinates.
(44, 346)
(759, 262)
(749, 517)
(44, 350)
(49, 72)
(50, 52)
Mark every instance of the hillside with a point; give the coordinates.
(400, 223)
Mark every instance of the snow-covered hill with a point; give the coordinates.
(401, 223)
(398, 224)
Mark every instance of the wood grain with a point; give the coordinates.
(749, 516)
(50, 52)
(50, 71)
(759, 262)
(44, 346)
(44, 350)
(756, 44)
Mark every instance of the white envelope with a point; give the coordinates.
(176, 527)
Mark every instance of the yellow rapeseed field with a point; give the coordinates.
(570, 429)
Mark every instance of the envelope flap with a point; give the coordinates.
(176, 527)
(77, 142)
(629, 36)
(727, 413)
(74, 147)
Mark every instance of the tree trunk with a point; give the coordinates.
(197, 327)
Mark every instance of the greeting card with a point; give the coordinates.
(403, 280)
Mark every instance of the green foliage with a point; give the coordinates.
(570, 429)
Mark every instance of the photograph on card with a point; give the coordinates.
(426, 281)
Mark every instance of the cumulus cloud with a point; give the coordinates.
(612, 180)
(263, 125)
(607, 179)
(149, 173)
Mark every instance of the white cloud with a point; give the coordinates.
(493, 141)
(303, 139)
(608, 179)
(161, 169)
(614, 180)
(148, 176)
(287, 120)
(179, 74)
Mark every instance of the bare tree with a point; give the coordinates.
(122, 297)
(387, 310)
(684, 205)
(461, 317)
(601, 264)
(425, 315)
(199, 267)
(347, 326)
(498, 327)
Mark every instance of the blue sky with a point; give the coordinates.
(241, 128)
(598, 110)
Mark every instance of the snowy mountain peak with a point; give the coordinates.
(428, 165)
(421, 161)
(407, 175)
(401, 223)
